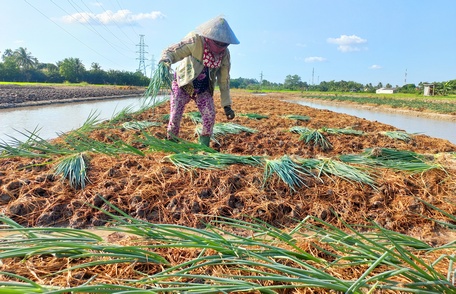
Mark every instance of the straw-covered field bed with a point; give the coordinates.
(308, 201)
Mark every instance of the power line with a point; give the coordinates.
(79, 40)
(39, 11)
(127, 47)
(121, 8)
(91, 27)
(114, 21)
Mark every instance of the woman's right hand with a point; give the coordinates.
(229, 112)
(165, 61)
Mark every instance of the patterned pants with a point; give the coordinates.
(180, 98)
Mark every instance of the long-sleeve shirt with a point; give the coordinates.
(190, 52)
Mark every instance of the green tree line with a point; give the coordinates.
(294, 83)
(21, 66)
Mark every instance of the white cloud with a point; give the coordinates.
(314, 59)
(375, 66)
(123, 16)
(347, 43)
(97, 4)
(301, 45)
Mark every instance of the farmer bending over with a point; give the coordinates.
(205, 60)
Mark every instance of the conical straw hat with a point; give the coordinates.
(217, 29)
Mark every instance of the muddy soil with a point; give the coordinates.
(18, 96)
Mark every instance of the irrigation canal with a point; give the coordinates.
(51, 120)
(438, 128)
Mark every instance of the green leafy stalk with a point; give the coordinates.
(345, 131)
(221, 129)
(81, 142)
(194, 116)
(140, 125)
(211, 160)
(297, 117)
(264, 259)
(33, 146)
(398, 135)
(123, 115)
(254, 115)
(391, 158)
(173, 146)
(330, 167)
(161, 78)
(317, 138)
(287, 170)
(74, 169)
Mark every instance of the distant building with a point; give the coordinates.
(386, 91)
(428, 89)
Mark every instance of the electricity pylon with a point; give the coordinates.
(142, 55)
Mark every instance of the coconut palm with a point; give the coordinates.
(7, 53)
(24, 59)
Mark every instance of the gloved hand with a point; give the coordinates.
(166, 61)
(229, 112)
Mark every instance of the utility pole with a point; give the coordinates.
(142, 55)
(405, 78)
(313, 73)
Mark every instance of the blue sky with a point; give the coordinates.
(366, 41)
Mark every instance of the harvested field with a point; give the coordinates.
(153, 189)
(19, 96)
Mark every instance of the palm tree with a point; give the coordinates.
(7, 53)
(24, 59)
(95, 67)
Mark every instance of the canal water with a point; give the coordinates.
(52, 120)
(438, 128)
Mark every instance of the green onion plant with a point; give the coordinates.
(254, 115)
(297, 117)
(398, 135)
(140, 125)
(161, 78)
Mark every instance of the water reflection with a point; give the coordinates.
(54, 119)
(411, 124)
